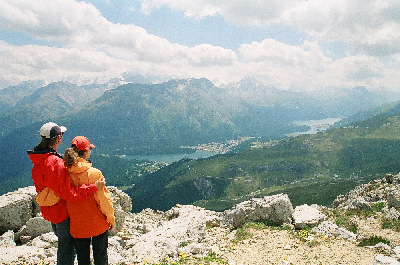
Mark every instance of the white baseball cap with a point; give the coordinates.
(51, 130)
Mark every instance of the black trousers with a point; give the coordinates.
(99, 245)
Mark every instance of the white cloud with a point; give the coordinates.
(58, 20)
(286, 66)
(207, 55)
(29, 62)
(255, 12)
(306, 67)
(79, 25)
(370, 26)
(87, 46)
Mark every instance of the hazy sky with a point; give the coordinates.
(290, 44)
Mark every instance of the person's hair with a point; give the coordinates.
(71, 156)
(45, 143)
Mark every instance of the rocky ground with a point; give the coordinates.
(260, 231)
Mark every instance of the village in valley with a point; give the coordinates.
(219, 148)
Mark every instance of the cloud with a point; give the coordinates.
(306, 67)
(80, 25)
(30, 62)
(255, 12)
(58, 20)
(365, 25)
(368, 26)
(288, 66)
(83, 45)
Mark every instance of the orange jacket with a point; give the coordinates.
(95, 215)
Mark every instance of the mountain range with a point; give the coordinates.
(138, 118)
(309, 168)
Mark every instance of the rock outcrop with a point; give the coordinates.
(380, 190)
(149, 235)
(155, 236)
(385, 190)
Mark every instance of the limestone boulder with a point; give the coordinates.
(393, 198)
(37, 226)
(7, 239)
(385, 260)
(16, 208)
(305, 215)
(185, 224)
(332, 230)
(276, 209)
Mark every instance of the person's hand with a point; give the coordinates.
(110, 227)
(100, 183)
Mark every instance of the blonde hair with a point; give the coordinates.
(71, 156)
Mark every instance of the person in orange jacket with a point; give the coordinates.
(53, 186)
(90, 219)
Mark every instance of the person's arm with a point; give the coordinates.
(104, 201)
(47, 197)
(57, 179)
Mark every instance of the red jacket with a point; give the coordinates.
(49, 171)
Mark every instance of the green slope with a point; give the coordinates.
(310, 168)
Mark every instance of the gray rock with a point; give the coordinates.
(305, 215)
(392, 213)
(186, 224)
(384, 249)
(121, 198)
(15, 210)
(39, 243)
(396, 251)
(20, 233)
(341, 199)
(37, 226)
(346, 234)
(25, 239)
(385, 260)
(359, 204)
(276, 208)
(332, 230)
(7, 239)
(122, 206)
(49, 237)
(393, 199)
(195, 249)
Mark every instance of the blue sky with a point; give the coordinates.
(174, 26)
(313, 45)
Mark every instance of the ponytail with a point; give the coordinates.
(71, 156)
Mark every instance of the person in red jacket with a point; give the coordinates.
(54, 188)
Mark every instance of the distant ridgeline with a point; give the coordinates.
(159, 118)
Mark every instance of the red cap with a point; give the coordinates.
(82, 143)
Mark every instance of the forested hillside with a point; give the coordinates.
(309, 168)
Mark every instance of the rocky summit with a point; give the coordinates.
(362, 227)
